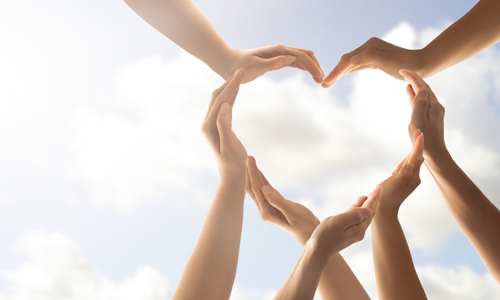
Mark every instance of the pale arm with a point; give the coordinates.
(211, 268)
(183, 23)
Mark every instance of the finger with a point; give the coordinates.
(417, 152)
(373, 198)
(340, 70)
(414, 79)
(264, 179)
(360, 201)
(306, 62)
(312, 56)
(217, 92)
(353, 216)
(248, 186)
(257, 184)
(224, 119)
(420, 107)
(225, 95)
(410, 92)
(295, 65)
(403, 162)
(276, 199)
(276, 63)
(233, 99)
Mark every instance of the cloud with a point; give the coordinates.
(56, 268)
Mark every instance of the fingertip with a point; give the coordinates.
(367, 211)
(318, 79)
(251, 158)
(266, 190)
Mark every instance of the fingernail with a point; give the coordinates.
(266, 190)
(355, 59)
(367, 211)
(289, 60)
(224, 108)
(422, 92)
(410, 167)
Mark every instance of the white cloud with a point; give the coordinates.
(57, 268)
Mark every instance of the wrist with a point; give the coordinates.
(230, 62)
(233, 178)
(438, 160)
(425, 69)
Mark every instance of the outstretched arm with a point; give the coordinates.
(337, 280)
(331, 236)
(476, 31)
(211, 268)
(182, 22)
(394, 270)
(477, 217)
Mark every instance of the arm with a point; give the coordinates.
(211, 268)
(394, 270)
(183, 23)
(477, 217)
(330, 236)
(337, 280)
(476, 31)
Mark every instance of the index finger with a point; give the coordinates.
(340, 70)
(225, 95)
(312, 56)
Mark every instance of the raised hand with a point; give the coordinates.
(257, 62)
(405, 179)
(336, 233)
(332, 235)
(274, 209)
(229, 151)
(427, 115)
(376, 54)
(211, 268)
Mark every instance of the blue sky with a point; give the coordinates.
(84, 87)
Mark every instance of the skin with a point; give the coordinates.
(337, 280)
(394, 270)
(476, 31)
(331, 236)
(184, 24)
(477, 217)
(211, 268)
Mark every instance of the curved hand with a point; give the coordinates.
(376, 54)
(332, 235)
(427, 115)
(259, 61)
(274, 209)
(405, 179)
(229, 151)
(336, 233)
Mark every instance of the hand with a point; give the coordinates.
(427, 115)
(405, 179)
(257, 62)
(229, 152)
(338, 232)
(377, 54)
(292, 217)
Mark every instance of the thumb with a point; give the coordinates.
(224, 119)
(275, 199)
(277, 62)
(371, 57)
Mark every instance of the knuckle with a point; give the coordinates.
(373, 40)
(205, 127)
(345, 57)
(215, 93)
(280, 47)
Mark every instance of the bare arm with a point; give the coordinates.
(183, 23)
(211, 268)
(337, 280)
(477, 217)
(394, 270)
(476, 31)
(330, 236)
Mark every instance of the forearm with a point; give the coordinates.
(339, 282)
(183, 23)
(394, 270)
(211, 269)
(302, 283)
(476, 216)
(476, 31)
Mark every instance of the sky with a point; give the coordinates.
(105, 176)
